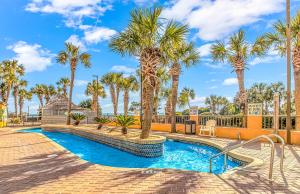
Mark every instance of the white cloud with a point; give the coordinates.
(217, 19)
(230, 81)
(204, 50)
(264, 60)
(74, 39)
(94, 35)
(32, 56)
(123, 69)
(79, 82)
(72, 10)
(198, 99)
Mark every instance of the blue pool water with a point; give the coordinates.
(177, 155)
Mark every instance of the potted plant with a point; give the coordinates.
(124, 122)
(101, 121)
(77, 117)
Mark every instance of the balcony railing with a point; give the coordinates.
(167, 119)
(267, 122)
(224, 121)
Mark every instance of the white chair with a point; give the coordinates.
(210, 127)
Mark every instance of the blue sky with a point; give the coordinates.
(34, 31)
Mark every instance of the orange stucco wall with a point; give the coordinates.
(253, 129)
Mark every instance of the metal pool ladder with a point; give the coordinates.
(267, 137)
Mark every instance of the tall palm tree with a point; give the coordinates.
(113, 81)
(19, 84)
(147, 38)
(236, 53)
(212, 102)
(23, 95)
(64, 83)
(11, 72)
(38, 90)
(92, 90)
(277, 41)
(128, 84)
(185, 97)
(163, 77)
(49, 91)
(181, 55)
(73, 56)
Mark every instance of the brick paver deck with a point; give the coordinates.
(31, 163)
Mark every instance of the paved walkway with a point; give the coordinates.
(31, 163)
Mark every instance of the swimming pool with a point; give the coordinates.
(177, 155)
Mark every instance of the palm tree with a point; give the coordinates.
(147, 38)
(185, 96)
(38, 90)
(236, 53)
(221, 103)
(277, 39)
(212, 101)
(182, 55)
(11, 72)
(49, 91)
(73, 56)
(92, 90)
(113, 81)
(19, 84)
(64, 83)
(128, 84)
(23, 95)
(162, 77)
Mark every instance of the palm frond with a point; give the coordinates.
(219, 51)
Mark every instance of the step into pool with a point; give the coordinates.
(177, 155)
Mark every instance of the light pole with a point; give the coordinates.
(288, 67)
(97, 89)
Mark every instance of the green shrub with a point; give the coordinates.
(124, 122)
(15, 120)
(101, 121)
(77, 117)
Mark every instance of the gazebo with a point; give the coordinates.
(55, 111)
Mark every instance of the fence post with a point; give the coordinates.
(276, 113)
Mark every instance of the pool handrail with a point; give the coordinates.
(247, 142)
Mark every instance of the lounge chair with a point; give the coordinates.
(210, 127)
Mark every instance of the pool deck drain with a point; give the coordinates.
(25, 168)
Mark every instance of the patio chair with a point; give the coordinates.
(210, 127)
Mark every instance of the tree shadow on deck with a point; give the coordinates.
(37, 170)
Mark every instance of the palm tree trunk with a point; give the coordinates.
(94, 107)
(175, 71)
(148, 110)
(156, 99)
(296, 64)
(240, 77)
(150, 59)
(41, 100)
(65, 91)
(117, 98)
(7, 94)
(126, 101)
(73, 69)
(21, 106)
(113, 98)
(15, 93)
(168, 106)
